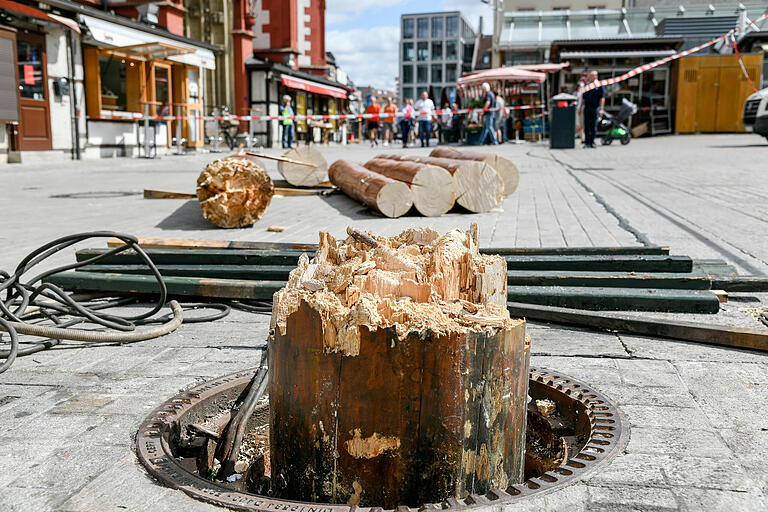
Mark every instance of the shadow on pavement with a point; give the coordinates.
(731, 146)
(186, 217)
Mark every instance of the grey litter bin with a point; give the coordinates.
(562, 132)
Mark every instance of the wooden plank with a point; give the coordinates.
(198, 256)
(741, 283)
(666, 280)
(188, 286)
(241, 272)
(555, 251)
(164, 194)
(601, 263)
(697, 332)
(616, 299)
(721, 295)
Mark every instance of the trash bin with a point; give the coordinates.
(562, 133)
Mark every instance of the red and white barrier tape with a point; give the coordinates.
(324, 117)
(646, 67)
(741, 63)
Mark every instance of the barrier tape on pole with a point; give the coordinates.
(741, 63)
(135, 116)
(646, 67)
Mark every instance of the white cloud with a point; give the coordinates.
(369, 56)
(472, 10)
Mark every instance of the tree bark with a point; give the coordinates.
(234, 192)
(300, 175)
(478, 186)
(506, 168)
(432, 187)
(376, 400)
(390, 197)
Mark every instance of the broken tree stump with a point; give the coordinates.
(478, 186)
(397, 376)
(506, 168)
(390, 197)
(432, 187)
(234, 192)
(301, 174)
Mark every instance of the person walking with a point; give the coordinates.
(425, 110)
(286, 112)
(592, 104)
(457, 122)
(500, 119)
(489, 102)
(389, 121)
(406, 118)
(446, 120)
(373, 122)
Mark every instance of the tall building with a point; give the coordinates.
(435, 50)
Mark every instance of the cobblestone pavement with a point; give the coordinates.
(698, 431)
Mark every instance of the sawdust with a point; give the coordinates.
(415, 281)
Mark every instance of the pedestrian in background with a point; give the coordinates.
(579, 102)
(389, 121)
(457, 123)
(500, 119)
(592, 104)
(373, 122)
(489, 102)
(446, 120)
(425, 110)
(286, 112)
(406, 118)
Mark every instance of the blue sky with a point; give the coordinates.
(364, 34)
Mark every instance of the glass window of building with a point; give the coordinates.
(407, 28)
(467, 53)
(422, 28)
(113, 85)
(407, 52)
(437, 72)
(422, 51)
(451, 26)
(450, 73)
(438, 96)
(421, 74)
(450, 50)
(437, 50)
(437, 28)
(29, 56)
(407, 76)
(407, 92)
(163, 90)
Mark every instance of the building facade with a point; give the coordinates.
(435, 50)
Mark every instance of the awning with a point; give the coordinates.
(508, 74)
(314, 87)
(37, 13)
(544, 67)
(150, 51)
(616, 53)
(114, 35)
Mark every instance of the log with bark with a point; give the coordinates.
(397, 376)
(234, 192)
(506, 168)
(478, 186)
(432, 187)
(312, 170)
(390, 197)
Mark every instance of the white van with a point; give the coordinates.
(755, 114)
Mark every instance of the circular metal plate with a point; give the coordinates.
(598, 436)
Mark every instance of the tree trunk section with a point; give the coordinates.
(506, 168)
(417, 409)
(300, 175)
(478, 186)
(234, 192)
(390, 197)
(432, 187)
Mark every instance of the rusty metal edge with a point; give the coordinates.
(607, 439)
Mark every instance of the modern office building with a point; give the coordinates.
(435, 50)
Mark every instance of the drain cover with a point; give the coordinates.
(590, 431)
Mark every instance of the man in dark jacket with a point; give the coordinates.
(592, 104)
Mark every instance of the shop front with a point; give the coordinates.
(132, 72)
(310, 95)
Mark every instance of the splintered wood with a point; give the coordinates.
(397, 376)
(234, 192)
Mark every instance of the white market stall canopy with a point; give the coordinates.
(114, 35)
(510, 80)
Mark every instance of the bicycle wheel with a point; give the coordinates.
(625, 139)
(606, 140)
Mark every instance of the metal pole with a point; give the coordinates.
(251, 129)
(146, 131)
(216, 132)
(179, 149)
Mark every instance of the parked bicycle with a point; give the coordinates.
(225, 130)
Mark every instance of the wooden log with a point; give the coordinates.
(234, 192)
(478, 186)
(390, 197)
(506, 168)
(301, 174)
(432, 187)
(164, 194)
(402, 384)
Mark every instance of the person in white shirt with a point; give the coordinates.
(426, 112)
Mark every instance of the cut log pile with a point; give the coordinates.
(476, 181)
(390, 197)
(367, 406)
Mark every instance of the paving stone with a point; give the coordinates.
(638, 497)
(751, 451)
(667, 417)
(676, 350)
(717, 500)
(677, 442)
(662, 397)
